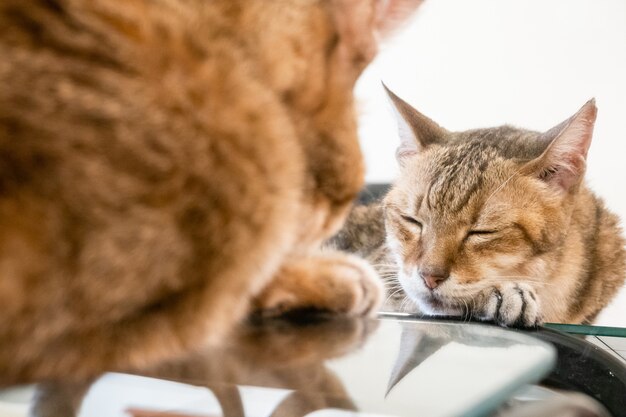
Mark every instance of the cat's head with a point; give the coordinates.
(310, 54)
(312, 51)
(479, 207)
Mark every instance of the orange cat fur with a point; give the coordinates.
(161, 161)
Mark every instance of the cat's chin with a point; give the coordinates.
(433, 306)
(424, 301)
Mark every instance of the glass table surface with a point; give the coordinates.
(320, 368)
(610, 339)
(590, 361)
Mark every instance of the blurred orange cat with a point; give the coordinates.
(164, 162)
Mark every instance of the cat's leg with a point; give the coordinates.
(242, 360)
(56, 399)
(510, 304)
(332, 281)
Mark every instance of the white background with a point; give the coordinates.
(530, 63)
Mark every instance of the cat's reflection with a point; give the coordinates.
(277, 355)
(420, 342)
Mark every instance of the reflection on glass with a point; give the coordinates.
(330, 368)
(444, 361)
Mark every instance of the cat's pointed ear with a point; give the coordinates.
(416, 131)
(563, 162)
(392, 14)
(361, 24)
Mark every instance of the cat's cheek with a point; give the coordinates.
(408, 283)
(413, 287)
(417, 292)
(513, 262)
(507, 261)
(536, 268)
(397, 249)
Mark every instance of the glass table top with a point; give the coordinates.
(611, 340)
(329, 368)
(619, 332)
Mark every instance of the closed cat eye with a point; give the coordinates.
(481, 232)
(411, 220)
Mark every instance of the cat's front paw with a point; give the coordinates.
(511, 304)
(333, 282)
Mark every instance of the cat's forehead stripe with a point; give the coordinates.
(458, 168)
(457, 175)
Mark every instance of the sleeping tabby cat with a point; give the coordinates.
(495, 223)
(166, 165)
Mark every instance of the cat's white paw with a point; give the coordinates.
(512, 304)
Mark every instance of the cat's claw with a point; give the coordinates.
(512, 304)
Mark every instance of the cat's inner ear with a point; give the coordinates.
(563, 162)
(416, 131)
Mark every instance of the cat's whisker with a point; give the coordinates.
(388, 274)
(390, 296)
(385, 264)
(465, 310)
(405, 304)
(400, 309)
(393, 285)
(500, 279)
(388, 271)
(526, 277)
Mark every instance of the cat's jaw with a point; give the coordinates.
(427, 302)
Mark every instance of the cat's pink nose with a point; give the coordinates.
(433, 281)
